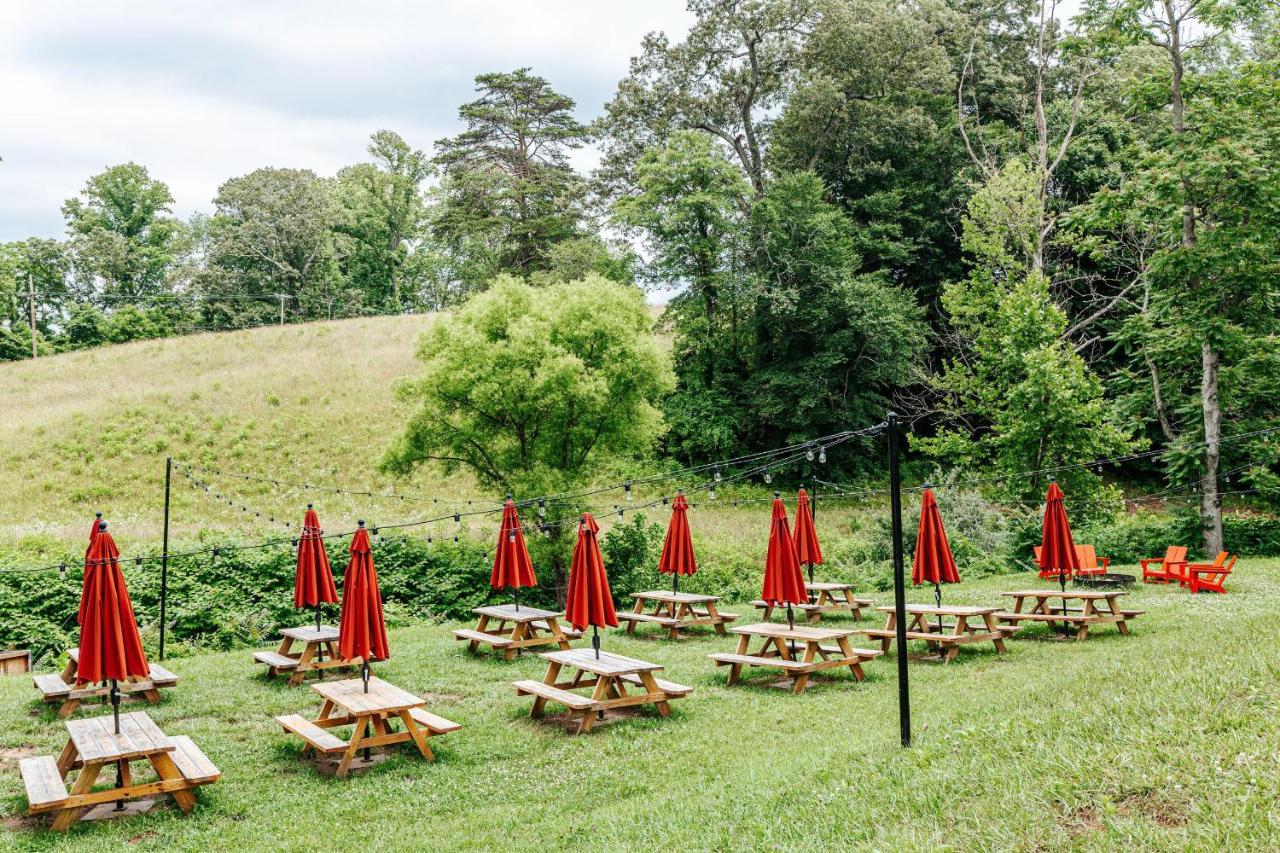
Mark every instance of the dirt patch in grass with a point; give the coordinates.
(10, 756)
(1083, 820)
(146, 836)
(19, 823)
(442, 697)
(1155, 806)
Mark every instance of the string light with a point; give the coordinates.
(626, 487)
(822, 455)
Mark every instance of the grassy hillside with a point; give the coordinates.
(89, 431)
(1163, 740)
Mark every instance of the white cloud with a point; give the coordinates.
(203, 91)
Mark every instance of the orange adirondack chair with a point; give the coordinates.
(1088, 558)
(1210, 578)
(1086, 555)
(1184, 575)
(1174, 558)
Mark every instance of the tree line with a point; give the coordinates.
(1041, 241)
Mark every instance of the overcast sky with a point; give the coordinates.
(199, 92)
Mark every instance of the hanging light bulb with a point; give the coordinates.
(808, 454)
(620, 511)
(457, 519)
(542, 507)
(768, 477)
(62, 570)
(717, 474)
(511, 535)
(711, 493)
(626, 487)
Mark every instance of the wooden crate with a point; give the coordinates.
(15, 662)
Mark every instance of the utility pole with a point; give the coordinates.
(164, 554)
(899, 583)
(282, 298)
(31, 311)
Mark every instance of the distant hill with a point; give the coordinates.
(89, 430)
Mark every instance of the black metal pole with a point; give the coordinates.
(595, 640)
(899, 584)
(164, 553)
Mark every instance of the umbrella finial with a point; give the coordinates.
(311, 506)
(102, 525)
(777, 495)
(360, 523)
(97, 514)
(509, 496)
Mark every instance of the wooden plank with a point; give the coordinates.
(1070, 594)
(51, 685)
(945, 610)
(555, 694)
(1046, 617)
(675, 597)
(43, 781)
(432, 723)
(673, 690)
(275, 659)
(311, 733)
(665, 621)
(162, 677)
(95, 738)
(754, 660)
(383, 697)
(509, 613)
(309, 634)
(607, 664)
(496, 640)
(192, 763)
(802, 633)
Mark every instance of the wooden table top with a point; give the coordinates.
(675, 597)
(944, 610)
(1053, 593)
(96, 740)
(607, 664)
(309, 634)
(511, 614)
(826, 586)
(383, 697)
(803, 633)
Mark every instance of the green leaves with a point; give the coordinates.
(528, 386)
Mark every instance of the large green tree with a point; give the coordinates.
(532, 388)
(123, 238)
(384, 220)
(508, 193)
(272, 236)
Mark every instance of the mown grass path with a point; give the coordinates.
(1168, 739)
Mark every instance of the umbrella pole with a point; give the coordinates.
(319, 646)
(810, 583)
(515, 594)
(364, 673)
(595, 640)
(115, 710)
(675, 583)
(791, 626)
(937, 599)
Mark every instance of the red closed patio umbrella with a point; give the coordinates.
(808, 551)
(84, 584)
(783, 580)
(589, 600)
(362, 633)
(512, 566)
(110, 647)
(933, 562)
(677, 549)
(1057, 550)
(313, 579)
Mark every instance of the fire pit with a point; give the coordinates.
(1111, 580)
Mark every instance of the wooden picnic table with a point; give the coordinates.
(518, 628)
(178, 765)
(1080, 617)
(61, 688)
(371, 716)
(823, 648)
(317, 643)
(930, 623)
(823, 598)
(612, 679)
(676, 612)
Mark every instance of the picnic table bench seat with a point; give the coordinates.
(498, 641)
(555, 694)
(675, 691)
(664, 621)
(61, 689)
(675, 612)
(192, 763)
(726, 658)
(942, 639)
(43, 781)
(433, 723)
(277, 662)
(316, 737)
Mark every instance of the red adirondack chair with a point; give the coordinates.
(1088, 558)
(1168, 565)
(1210, 577)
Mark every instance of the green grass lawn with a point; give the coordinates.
(1166, 739)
